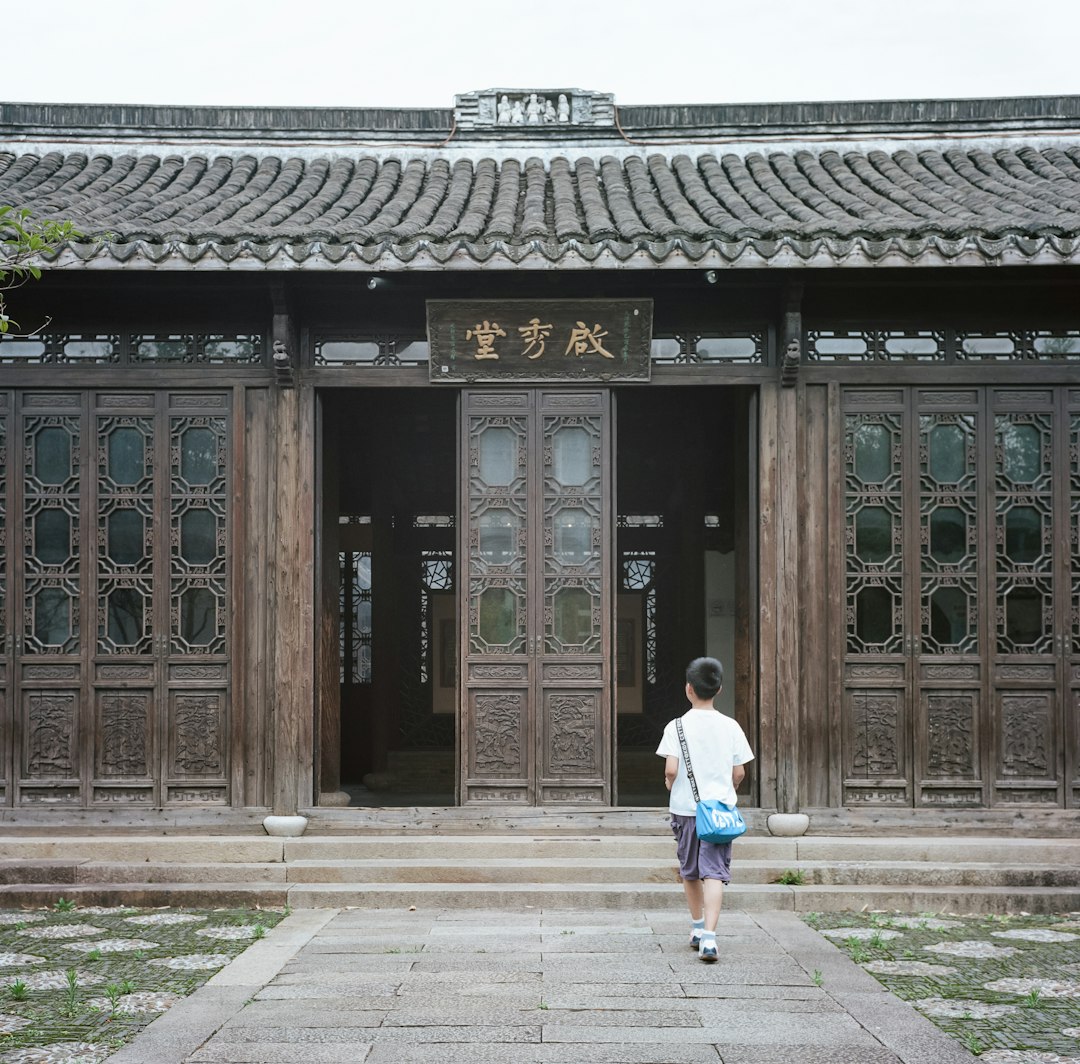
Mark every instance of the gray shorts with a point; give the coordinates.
(699, 860)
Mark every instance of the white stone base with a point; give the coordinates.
(288, 827)
(788, 825)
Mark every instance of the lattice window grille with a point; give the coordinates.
(1012, 345)
(374, 349)
(640, 521)
(71, 348)
(104, 348)
(694, 348)
(1024, 566)
(948, 533)
(860, 345)
(198, 534)
(125, 534)
(212, 348)
(876, 345)
(354, 605)
(51, 534)
(873, 533)
(437, 575)
(639, 574)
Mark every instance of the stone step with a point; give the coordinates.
(1061, 852)
(143, 848)
(753, 897)
(70, 872)
(923, 873)
(538, 870)
(247, 849)
(513, 896)
(146, 895)
(643, 870)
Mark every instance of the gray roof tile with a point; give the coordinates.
(800, 204)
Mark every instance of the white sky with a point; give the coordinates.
(410, 53)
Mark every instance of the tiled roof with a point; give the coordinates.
(1009, 202)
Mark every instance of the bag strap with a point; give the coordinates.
(686, 758)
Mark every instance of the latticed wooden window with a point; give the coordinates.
(355, 629)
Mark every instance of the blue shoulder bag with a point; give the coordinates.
(715, 822)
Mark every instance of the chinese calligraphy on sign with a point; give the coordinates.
(584, 341)
(485, 338)
(539, 339)
(535, 334)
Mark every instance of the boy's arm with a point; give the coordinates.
(671, 770)
(738, 774)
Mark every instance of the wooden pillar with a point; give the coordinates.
(291, 579)
(768, 641)
(788, 478)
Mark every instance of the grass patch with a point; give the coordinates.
(105, 994)
(988, 992)
(792, 877)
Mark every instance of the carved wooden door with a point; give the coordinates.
(948, 612)
(119, 586)
(876, 704)
(535, 720)
(1030, 552)
(961, 598)
(1071, 622)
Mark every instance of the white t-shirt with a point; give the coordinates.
(716, 743)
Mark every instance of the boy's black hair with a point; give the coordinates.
(705, 676)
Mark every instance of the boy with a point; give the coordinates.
(718, 751)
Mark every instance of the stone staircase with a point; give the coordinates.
(516, 870)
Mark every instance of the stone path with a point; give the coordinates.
(539, 987)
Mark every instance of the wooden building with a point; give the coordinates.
(406, 457)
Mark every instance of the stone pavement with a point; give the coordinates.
(538, 986)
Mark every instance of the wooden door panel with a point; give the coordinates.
(195, 567)
(535, 503)
(6, 600)
(1025, 631)
(877, 669)
(49, 558)
(119, 693)
(497, 637)
(574, 722)
(125, 503)
(963, 596)
(949, 632)
(1071, 639)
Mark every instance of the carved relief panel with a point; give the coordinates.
(534, 625)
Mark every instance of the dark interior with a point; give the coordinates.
(390, 478)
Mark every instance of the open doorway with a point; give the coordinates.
(685, 555)
(389, 481)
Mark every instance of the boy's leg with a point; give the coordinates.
(713, 897)
(695, 899)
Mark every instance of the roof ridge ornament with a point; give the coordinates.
(521, 110)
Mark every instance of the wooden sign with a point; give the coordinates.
(540, 339)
